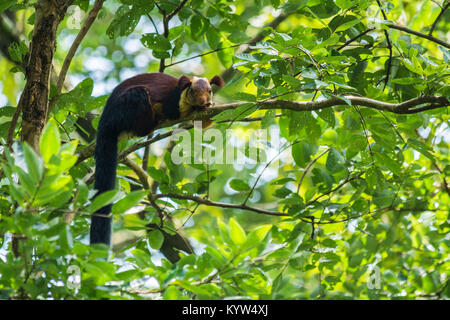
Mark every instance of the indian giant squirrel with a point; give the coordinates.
(136, 106)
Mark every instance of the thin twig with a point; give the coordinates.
(177, 9)
(266, 166)
(220, 204)
(309, 167)
(203, 54)
(347, 180)
(438, 17)
(12, 126)
(76, 43)
(420, 34)
(363, 123)
(355, 38)
(230, 72)
(389, 45)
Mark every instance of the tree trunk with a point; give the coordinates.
(34, 99)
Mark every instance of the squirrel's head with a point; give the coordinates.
(198, 90)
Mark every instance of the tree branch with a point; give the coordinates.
(438, 17)
(177, 9)
(76, 43)
(389, 45)
(406, 107)
(309, 167)
(230, 72)
(171, 241)
(34, 98)
(220, 204)
(355, 38)
(419, 34)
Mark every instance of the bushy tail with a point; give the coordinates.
(105, 177)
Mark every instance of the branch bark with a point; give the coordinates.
(406, 107)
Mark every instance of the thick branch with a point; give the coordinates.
(406, 107)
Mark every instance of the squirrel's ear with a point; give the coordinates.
(218, 81)
(184, 82)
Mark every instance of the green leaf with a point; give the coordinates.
(225, 55)
(158, 174)
(256, 236)
(246, 57)
(422, 148)
(371, 178)
(237, 113)
(82, 194)
(213, 38)
(335, 161)
(196, 26)
(155, 239)
(406, 81)
(292, 81)
(328, 42)
(327, 114)
(243, 96)
(34, 163)
(26, 181)
(345, 4)
(65, 238)
(347, 25)
(156, 42)
(239, 185)
(6, 4)
(383, 198)
(7, 111)
(103, 199)
(268, 119)
(237, 233)
(172, 293)
(386, 161)
(126, 20)
(15, 52)
(50, 141)
(216, 256)
(302, 152)
(131, 200)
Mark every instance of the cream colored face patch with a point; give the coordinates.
(200, 93)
